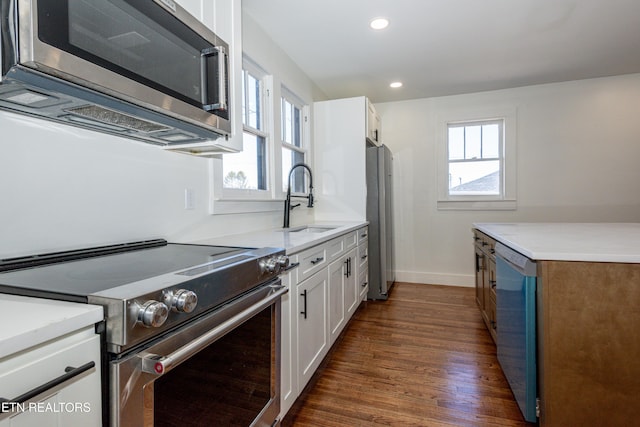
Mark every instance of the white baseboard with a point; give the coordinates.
(465, 280)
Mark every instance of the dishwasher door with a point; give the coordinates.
(516, 320)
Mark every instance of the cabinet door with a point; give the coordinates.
(351, 287)
(288, 370)
(480, 262)
(312, 324)
(373, 124)
(337, 279)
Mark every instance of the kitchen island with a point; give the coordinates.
(588, 318)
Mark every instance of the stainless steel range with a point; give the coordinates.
(192, 331)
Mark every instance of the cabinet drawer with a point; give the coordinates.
(78, 395)
(335, 248)
(363, 235)
(311, 261)
(350, 240)
(363, 256)
(363, 284)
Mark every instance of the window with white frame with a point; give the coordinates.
(474, 154)
(294, 141)
(247, 170)
(476, 165)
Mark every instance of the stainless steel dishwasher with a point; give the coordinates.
(516, 317)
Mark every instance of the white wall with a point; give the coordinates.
(578, 148)
(63, 187)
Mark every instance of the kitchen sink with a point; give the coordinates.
(312, 229)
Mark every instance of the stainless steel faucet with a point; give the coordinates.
(287, 202)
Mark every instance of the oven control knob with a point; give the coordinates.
(283, 261)
(269, 265)
(182, 301)
(153, 314)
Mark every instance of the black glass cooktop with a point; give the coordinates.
(86, 276)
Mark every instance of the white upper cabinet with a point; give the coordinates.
(342, 131)
(224, 17)
(374, 128)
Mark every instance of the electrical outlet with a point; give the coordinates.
(189, 198)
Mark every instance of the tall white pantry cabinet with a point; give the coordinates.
(342, 128)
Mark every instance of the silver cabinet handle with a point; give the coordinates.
(158, 365)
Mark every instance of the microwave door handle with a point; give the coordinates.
(222, 78)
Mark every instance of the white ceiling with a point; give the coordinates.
(445, 47)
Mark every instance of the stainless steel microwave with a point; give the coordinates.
(141, 69)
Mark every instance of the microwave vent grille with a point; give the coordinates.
(106, 115)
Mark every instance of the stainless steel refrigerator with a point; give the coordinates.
(380, 217)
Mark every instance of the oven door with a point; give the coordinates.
(221, 369)
(152, 53)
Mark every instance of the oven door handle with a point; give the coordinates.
(158, 364)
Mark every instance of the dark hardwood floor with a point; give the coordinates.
(422, 358)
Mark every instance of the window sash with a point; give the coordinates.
(465, 156)
(254, 107)
(293, 142)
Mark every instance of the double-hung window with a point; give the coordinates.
(476, 165)
(294, 131)
(474, 151)
(247, 170)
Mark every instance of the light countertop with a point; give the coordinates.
(27, 322)
(291, 240)
(592, 242)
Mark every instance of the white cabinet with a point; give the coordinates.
(351, 291)
(340, 141)
(324, 292)
(224, 17)
(374, 126)
(362, 256)
(288, 350)
(312, 325)
(337, 271)
(73, 360)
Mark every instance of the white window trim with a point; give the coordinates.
(505, 201)
(305, 143)
(230, 201)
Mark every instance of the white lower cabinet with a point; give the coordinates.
(336, 298)
(75, 401)
(288, 350)
(351, 291)
(363, 265)
(325, 290)
(312, 325)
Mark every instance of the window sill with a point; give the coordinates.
(237, 206)
(477, 205)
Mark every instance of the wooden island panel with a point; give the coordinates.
(588, 343)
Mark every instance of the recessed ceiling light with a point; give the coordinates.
(396, 85)
(379, 23)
